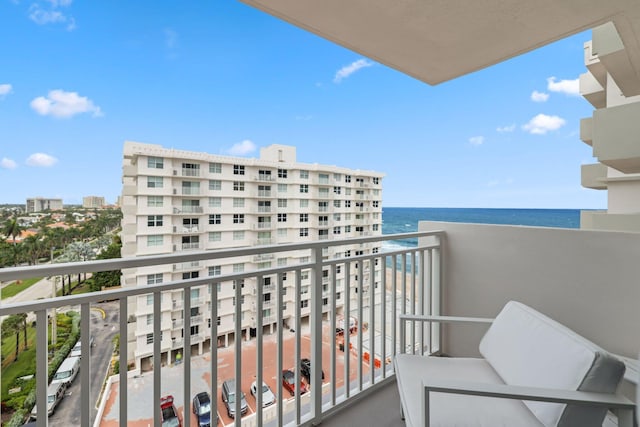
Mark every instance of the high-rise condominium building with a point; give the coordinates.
(39, 204)
(91, 202)
(175, 200)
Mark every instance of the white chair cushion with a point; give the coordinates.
(452, 409)
(527, 348)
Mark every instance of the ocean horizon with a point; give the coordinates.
(405, 220)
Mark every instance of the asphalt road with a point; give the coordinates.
(103, 330)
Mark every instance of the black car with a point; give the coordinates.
(202, 409)
(305, 370)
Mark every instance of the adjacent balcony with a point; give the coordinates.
(455, 269)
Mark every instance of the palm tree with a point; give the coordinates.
(12, 325)
(13, 229)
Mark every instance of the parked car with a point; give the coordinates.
(55, 393)
(305, 370)
(228, 396)
(289, 382)
(67, 371)
(76, 350)
(169, 413)
(202, 408)
(268, 398)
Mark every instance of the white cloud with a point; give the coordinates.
(539, 96)
(63, 104)
(5, 89)
(541, 124)
(242, 148)
(53, 14)
(347, 70)
(509, 128)
(8, 163)
(41, 160)
(476, 140)
(568, 87)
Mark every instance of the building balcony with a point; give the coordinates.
(480, 268)
(615, 141)
(188, 210)
(594, 176)
(185, 229)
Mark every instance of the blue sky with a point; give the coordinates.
(77, 79)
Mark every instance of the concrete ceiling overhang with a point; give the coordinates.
(438, 40)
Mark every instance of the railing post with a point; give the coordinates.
(316, 336)
(123, 362)
(85, 365)
(42, 372)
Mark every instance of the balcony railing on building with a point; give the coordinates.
(412, 285)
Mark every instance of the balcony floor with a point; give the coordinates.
(380, 409)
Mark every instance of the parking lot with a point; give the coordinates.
(140, 410)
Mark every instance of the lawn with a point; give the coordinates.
(18, 286)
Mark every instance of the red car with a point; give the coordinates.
(289, 382)
(169, 414)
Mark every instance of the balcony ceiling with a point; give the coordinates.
(438, 40)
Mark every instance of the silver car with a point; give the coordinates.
(268, 398)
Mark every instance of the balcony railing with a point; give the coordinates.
(409, 283)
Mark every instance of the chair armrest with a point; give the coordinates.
(404, 318)
(443, 319)
(611, 401)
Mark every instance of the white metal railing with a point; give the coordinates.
(409, 283)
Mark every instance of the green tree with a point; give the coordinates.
(13, 229)
(108, 278)
(12, 325)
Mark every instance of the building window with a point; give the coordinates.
(150, 299)
(264, 206)
(375, 203)
(238, 186)
(323, 178)
(241, 300)
(264, 190)
(215, 270)
(304, 174)
(337, 177)
(282, 232)
(347, 229)
(376, 180)
(238, 218)
(238, 202)
(154, 240)
(149, 319)
(215, 168)
(304, 303)
(154, 182)
(323, 206)
(238, 235)
(337, 190)
(304, 188)
(238, 169)
(304, 217)
(154, 201)
(282, 188)
(264, 265)
(282, 173)
(304, 232)
(323, 232)
(336, 217)
(336, 230)
(190, 169)
(215, 185)
(347, 203)
(238, 268)
(152, 279)
(282, 262)
(282, 217)
(215, 219)
(215, 236)
(282, 203)
(236, 282)
(155, 163)
(347, 191)
(150, 338)
(195, 329)
(215, 202)
(347, 254)
(337, 203)
(347, 178)
(218, 320)
(154, 221)
(375, 227)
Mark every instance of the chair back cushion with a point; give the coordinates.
(527, 348)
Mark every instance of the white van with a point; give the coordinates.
(67, 371)
(55, 393)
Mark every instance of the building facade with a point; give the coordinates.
(613, 89)
(39, 204)
(176, 200)
(93, 202)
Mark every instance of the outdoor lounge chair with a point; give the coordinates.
(534, 372)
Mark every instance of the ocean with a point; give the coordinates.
(405, 220)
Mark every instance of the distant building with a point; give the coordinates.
(39, 204)
(91, 202)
